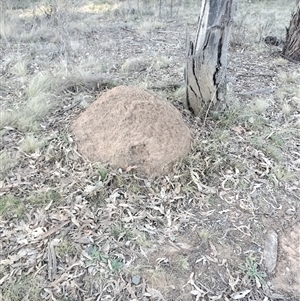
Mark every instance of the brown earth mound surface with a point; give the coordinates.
(132, 128)
(287, 276)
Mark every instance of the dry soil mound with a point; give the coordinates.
(130, 127)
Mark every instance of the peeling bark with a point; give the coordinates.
(291, 48)
(205, 73)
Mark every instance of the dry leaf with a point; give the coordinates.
(240, 294)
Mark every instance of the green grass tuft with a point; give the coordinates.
(65, 248)
(121, 232)
(252, 271)
(26, 287)
(11, 206)
(44, 198)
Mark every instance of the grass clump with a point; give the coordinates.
(39, 106)
(283, 174)
(150, 25)
(162, 63)
(11, 206)
(7, 118)
(280, 62)
(267, 147)
(65, 248)
(286, 109)
(7, 26)
(44, 198)
(180, 93)
(273, 152)
(120, 232)
(102, 174)
(41, 83)
(97, 256)
(6, 164)
(235, 114)
(182, 263)
(31, 144)
(26, 287)
(115, 264)
(19, 68)
(133, 65)
(204, 234)
(289, 78)
(252, 271)
(36, 108)
(260, 105)
(27, 124)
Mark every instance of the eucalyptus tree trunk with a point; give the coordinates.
(205, 72)
(291, 48)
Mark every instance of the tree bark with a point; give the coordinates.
(291, 48)
(205, 72)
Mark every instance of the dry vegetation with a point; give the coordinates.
(75, 230)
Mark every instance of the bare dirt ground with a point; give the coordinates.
(72, 229)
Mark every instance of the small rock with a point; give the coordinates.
(136, 279)
(270, 251)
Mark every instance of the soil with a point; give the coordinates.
(132, 128)
(287, 274)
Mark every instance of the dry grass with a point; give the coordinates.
(30, 144)
(133, 65)
(260, 105)
(251, 27)
(27, 287)
(71, 229)
(6, 164)
(147, 26)
(289, 77)
(162, 63)
(7, 118)
(19, 68)
(40, 83)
